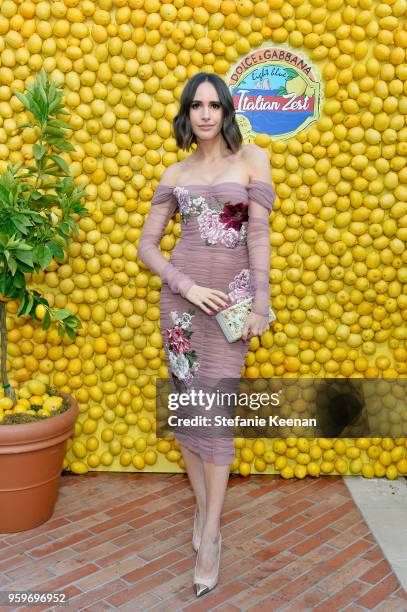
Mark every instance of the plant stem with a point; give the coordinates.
(8, 389)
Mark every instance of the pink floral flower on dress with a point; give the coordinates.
(183, 361)
(183, 199)
(210, 227)
(225, 223)
(230, 238)
(241, 286)
(179, 343)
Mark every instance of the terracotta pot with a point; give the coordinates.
(31, 459)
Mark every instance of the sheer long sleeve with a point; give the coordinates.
(258, 243)
(163, 206)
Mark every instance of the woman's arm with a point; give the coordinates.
(261, 201)
(163, 206)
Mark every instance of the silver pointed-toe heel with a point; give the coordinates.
(204, 585)
(196, 539)
(200, 589)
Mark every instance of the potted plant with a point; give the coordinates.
(39, 205)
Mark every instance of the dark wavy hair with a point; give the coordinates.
(184, 135)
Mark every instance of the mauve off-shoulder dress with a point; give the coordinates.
(224, 245)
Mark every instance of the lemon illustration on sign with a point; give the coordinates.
(296, 85)
(245, 126)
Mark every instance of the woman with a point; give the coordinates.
(224, 194)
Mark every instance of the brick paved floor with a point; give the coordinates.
(124, 541)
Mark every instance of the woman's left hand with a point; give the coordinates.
(255, 325)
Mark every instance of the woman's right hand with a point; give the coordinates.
(207, 298)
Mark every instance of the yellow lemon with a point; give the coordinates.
(327, 467)
(93, 460)
(138, 462)
(288, 472)
(269, 456)
(367, 470)
(40, 311)
(6, 403)
(258, 448)
(247, 454)
(355, 466)
(36, 387)
(244, 468)
(106, 458)
(140, 445)
(313, 468)
(279, 446)
(259, 465)
(300, 471)
(125, 458)
(78, 467)
(280, 462)
(341, 466)
(385, 458)
(391, 472)
(79, 449)
(53, 403)
(402, 466)
(315, 452)
(173, 455)
(150, 457)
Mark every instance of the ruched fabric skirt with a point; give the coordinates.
(214, 356)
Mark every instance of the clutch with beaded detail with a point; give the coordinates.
(232, 319)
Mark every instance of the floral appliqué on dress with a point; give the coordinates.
(241, 287)
(183, 360)
(226, 223)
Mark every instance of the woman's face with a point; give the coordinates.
(206, 110)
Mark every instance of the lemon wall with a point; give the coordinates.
(337, 232)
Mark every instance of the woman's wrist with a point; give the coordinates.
(260, 314)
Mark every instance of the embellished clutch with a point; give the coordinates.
(232, 319)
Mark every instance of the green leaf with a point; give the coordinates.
(24, 125)
(57, 252)
(21, 223)
(23, 99)
(39, 151)
(73, 322)
(61, 144)
(27, 310)
(71, 333)
(19, 280)
(62, 314)
(61, 331)
(24, 256)
(60, 124)
(46, 322)
(41, 89)
(61, 162)
(54, 131)
(12, 264)
(43, 255)
(23, 304)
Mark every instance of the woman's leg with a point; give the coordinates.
(195, 470)
(216, 479)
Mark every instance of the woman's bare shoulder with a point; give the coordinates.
(257, 161)
(170, 175)
(252, 150)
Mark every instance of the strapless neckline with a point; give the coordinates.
(212, 186)
(222, 183)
